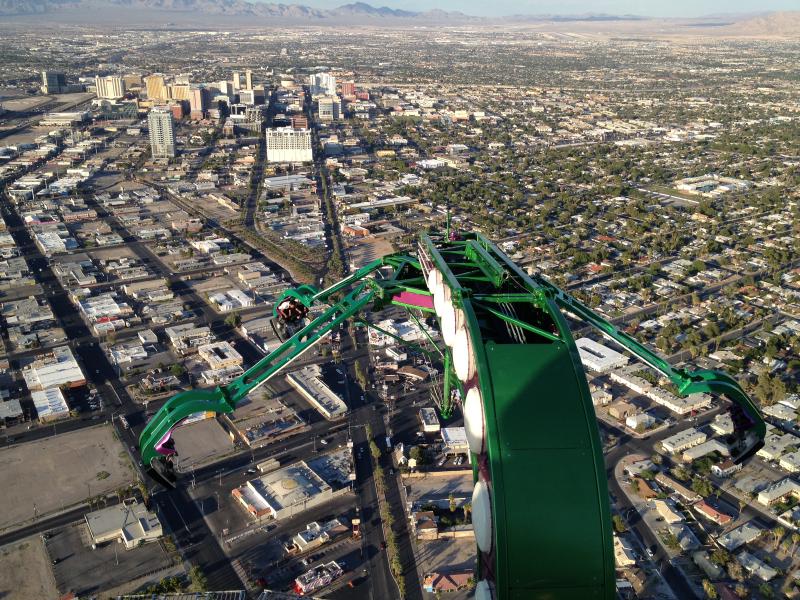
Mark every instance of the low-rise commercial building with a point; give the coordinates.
(455, 440)
(187, 338)
(318, 534)
(599, 358)
(220, 355)
(683, 440)
(53, 369)
(285, 492)
(50, 405)
(429, 420)
(129, 522)
(308, 382)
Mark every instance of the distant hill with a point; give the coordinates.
(356, 10)
(252, 13)
(778, 24)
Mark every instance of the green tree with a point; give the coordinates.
(619, 524)
(197, 580)
(709, 589)
(361, 377)
(418, 454)
(233, 319)
(374, 450)
(177, 369)
(702, 487)
(720, 557)
(452, 502)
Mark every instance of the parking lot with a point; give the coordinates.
(84, 571)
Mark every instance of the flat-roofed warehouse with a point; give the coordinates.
(285, 492)
(309, 383)
(599, 358)
(53, 369)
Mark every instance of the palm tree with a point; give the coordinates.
(795, 541)
(778, 534)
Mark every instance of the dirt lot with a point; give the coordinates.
(59, 471)
(26, 571)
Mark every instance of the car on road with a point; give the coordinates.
(324, 442)
(651, 551)
(251, 471)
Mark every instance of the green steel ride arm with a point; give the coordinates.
(687, 381)
(750, 428)
(223, 399)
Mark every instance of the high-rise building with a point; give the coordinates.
(329, 108)
(248, 80)
(198, 102)
(156, 87)
(247, 97)
(162, 132)
(110, 86)
(322, 83)
(53, 82)
(225, 87)
(180, 91)
(236, 81)
(348, 89)
(289, 145)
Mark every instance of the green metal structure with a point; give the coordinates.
(540, 506)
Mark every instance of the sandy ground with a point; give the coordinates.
(59, 471)
(25, 571)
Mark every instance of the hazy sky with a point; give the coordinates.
(659, 8)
